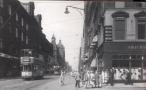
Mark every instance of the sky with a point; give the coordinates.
(66, 27)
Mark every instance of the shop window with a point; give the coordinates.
(136, 63)
(120, 63)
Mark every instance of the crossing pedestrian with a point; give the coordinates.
(93, 79)
(62, 77)
(88, 79)
(77, 78)
(111, 77)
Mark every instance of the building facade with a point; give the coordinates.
(18, 30)
(58, 60)
(120, 28)
(61, 54)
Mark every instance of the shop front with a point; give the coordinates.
(125, 57)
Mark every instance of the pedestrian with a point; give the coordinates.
(77, 78)
(86, 79)
(96, 78)
(92, 79)
(62, 77)
(128, 78)
(82, 78)
(111, 77)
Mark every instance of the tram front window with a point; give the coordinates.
(27, 68)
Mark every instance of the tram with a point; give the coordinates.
(32, 64)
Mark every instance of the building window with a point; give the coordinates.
(26, 39)
(119, 19)
(1, 43)
(16, 32)
(17, 17)
(22, 22)
(1, 3)
(10, 27)
(120, 28)
(141, 29)
(22, 36)
(9, 10)
(26, 27)
(1, 20)
(141, 24)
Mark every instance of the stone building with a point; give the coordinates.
(58, 59)
(118, 28)
(61, 53)
(18, 30)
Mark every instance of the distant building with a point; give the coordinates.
(61, 53)
(58, 53)
(54, 58)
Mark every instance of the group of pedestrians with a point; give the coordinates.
(88, 78)
(126, 77)
(93, 79)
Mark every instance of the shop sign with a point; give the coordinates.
(121, 46)
(136, 47)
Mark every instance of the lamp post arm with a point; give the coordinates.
(75, 7)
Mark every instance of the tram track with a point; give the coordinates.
(19, 84)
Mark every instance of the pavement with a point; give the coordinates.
(69, 85)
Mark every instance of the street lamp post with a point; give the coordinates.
(130, 64)
(142, 58)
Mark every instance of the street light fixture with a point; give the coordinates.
(77, 8)
(66, 11)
